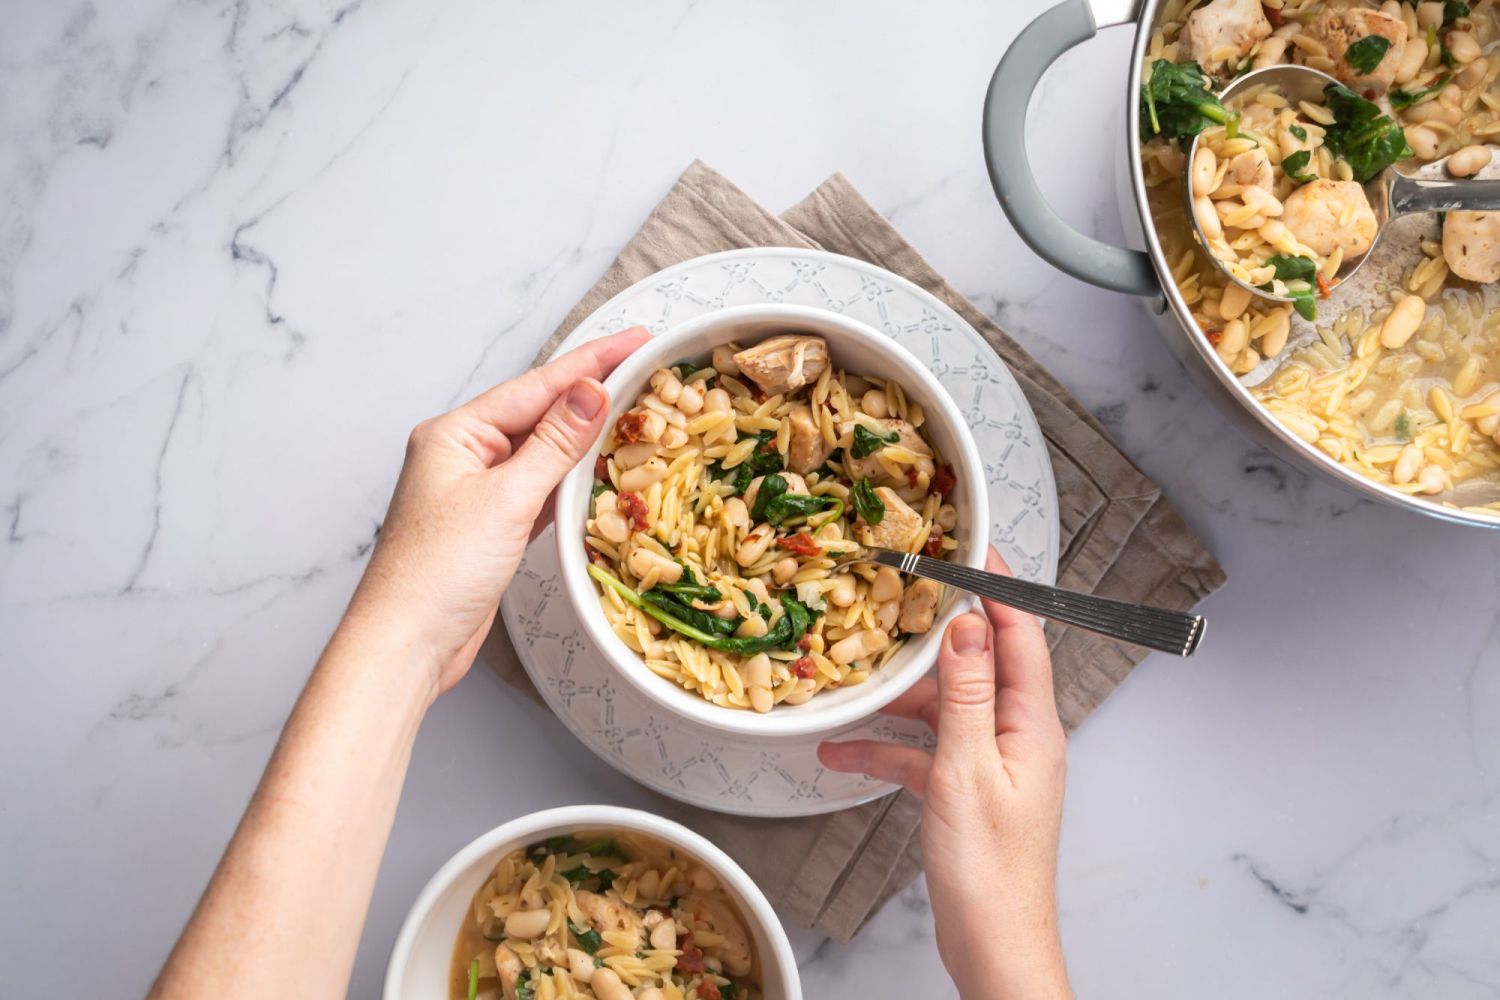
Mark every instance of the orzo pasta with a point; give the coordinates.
(1398, 379)
(724, 501)
(603, 916)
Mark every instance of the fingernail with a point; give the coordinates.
(969, 636)
(585, 399)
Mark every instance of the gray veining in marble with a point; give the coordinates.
(245, 246)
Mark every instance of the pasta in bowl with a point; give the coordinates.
(750, 454)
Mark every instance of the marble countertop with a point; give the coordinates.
(244, 247)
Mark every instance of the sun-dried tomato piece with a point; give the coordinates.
(944, 480)
(804, 667)
(801, 544)
(804, 643)
(691, 959)
(633, 507)
(629, 426)
(934, 546)
(1324, 288)
(911, 475)
(1275, 16)
(708, 989)
(601, 468)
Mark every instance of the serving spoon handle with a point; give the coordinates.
(1154, 628)
(1410, 194)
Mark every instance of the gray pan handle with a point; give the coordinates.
(1408, 194)
(1020, 70)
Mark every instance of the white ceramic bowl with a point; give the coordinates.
(858, 349)
(419, 964)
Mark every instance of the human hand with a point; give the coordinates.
(474, 489)
(991, 801)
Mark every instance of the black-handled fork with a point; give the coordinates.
(1155, 628)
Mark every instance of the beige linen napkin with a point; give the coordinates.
(1120, 538)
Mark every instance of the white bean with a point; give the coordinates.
(1408, 464)
(804, 690)
(717, 401)
(842, 594)
(628, 456)
(664, 935)
(653, 426)
(1422, 140)
(1207, 217)
(666, 385)
(1471, 75)
(1489, 424)
(607, 985)
(1413, 57)
(886, 615)
(723, 360)
(1403, 321)
(753, 627)
(1430, 14)
(690, 400)
(757, 670)
(641, 561)
(527, 924)
(1469, 161)
(873, 403)
(1272, 53)
(861, 644)
(755, 545)
(1234, 339)
(1204, 166)
(887, 585)
(1274, 339)
(947, 517)
(1462, 47)
(761, 699)
(1432, 480)
(643, 477)
(674, 437)
(580, 965)
(737, 514)
(1234, 301)
(609, 522)
(784, 570)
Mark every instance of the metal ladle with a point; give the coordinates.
(1391, 194)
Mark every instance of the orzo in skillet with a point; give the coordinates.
(723, 502)
(1404, 386)
(603, 916)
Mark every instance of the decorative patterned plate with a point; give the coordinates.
(711, 769)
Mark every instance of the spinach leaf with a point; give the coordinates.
(700, 620)
(1298, 132)
(765, 459)
(685, 369)
(524, 989)
(1360, 135)
(781, 635)
(867, 442)
(1294, 268)
(551, 845)
(1403, 426)
(729, 991)
(687, 588)
(1295, 165)
(1364, 55)
(588, 938)
(1177, 103)
(1407, 98)
(742, 476)
(1305, 304)
(826, 469)
(771, 488)
(1453, 10)
(607, 879)
(473, 979)
(604, 848)
(866, 503)
(790, 505)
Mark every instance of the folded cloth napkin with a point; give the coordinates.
(1120, 538)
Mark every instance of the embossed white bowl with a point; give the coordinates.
(418, 969)
(859, 349)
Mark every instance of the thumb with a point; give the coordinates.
(966, 688)
(559, 440)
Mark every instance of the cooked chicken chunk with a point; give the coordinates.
(781, 364)
(898, 529)
(1325, 215)
(605, 913)
(713, 914)
(1338, 28)
(919, 606)
(808, 449)
(1251, 168)
(1471, 245)
(890, 473)
(1221, 33)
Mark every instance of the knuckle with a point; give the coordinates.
(555, 438)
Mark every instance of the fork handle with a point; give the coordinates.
(1155, 628)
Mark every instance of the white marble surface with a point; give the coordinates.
(244, 246)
